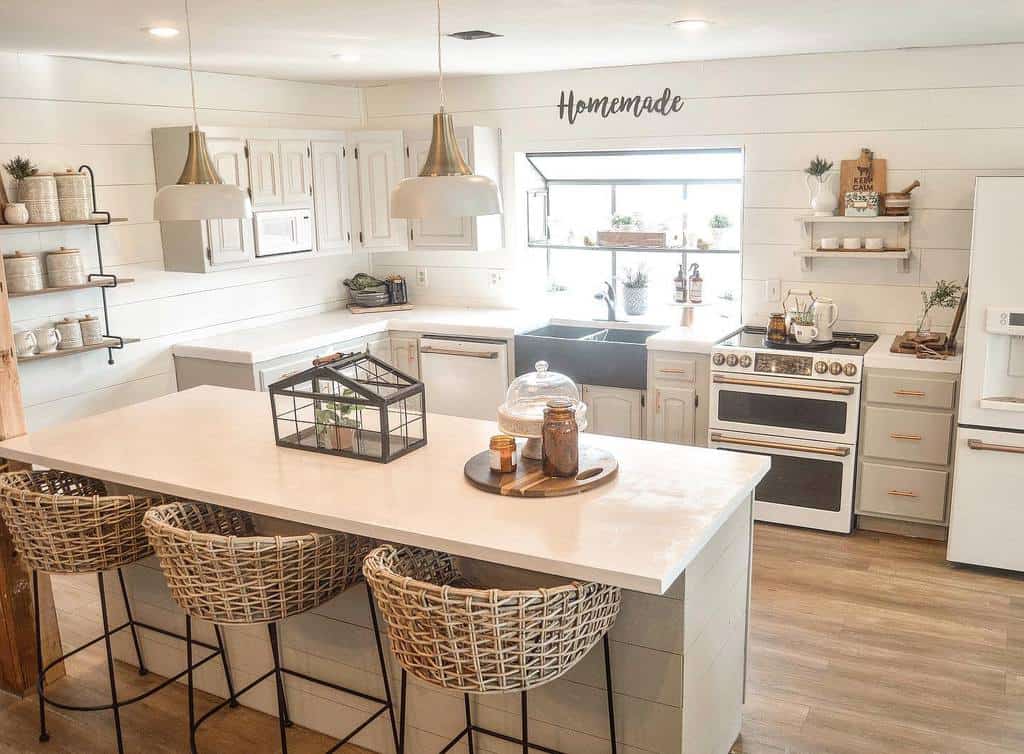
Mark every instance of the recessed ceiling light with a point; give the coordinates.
(690, 24)
(164, 32)
(347, 57)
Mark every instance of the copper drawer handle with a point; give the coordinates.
(722, 380)
(902, 493)
(837, 451)
(909, 393)
(982, 445)
(904, 436)
(675, 370)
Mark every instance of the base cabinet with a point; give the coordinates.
(614, 411)
(677, 398)
(405, 354)
(674, 412)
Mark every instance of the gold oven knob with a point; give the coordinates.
(850, 370)
(732, 359)
(718, 359)
(820, 367)
(745, 360)
(835, 368)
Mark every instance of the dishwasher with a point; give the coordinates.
(464, 377)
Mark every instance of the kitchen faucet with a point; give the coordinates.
(608, 296)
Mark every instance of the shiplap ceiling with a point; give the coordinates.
(296, 39)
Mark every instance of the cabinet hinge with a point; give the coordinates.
(348, 236)
(343, 152)
(356, 152)
(360, 236)
(643, 400)
(410, 234)
(309, 151)
(209, 255)
(245, 149)
(696, 401)
(250, 193)
(407, 152)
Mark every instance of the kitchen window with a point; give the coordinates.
(601, 214)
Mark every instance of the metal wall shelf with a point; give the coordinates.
(107, 281)
(109, 342)
(107, 220)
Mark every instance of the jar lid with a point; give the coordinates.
(65, 250)
(68, 321)
(87, 318)
(502, 441)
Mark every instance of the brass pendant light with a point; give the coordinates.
(446, 186)
(199, 194)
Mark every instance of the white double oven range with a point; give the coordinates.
(800, 405)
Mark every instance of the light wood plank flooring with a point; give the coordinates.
(870, 644)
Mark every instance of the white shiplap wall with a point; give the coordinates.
(940, 115)
(64, 112)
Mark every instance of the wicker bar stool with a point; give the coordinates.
(67, 524)
(218, 570)
(486, 641)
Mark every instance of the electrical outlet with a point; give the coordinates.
(772, 290)
(421, 277)
(496, 278)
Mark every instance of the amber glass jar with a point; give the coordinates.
(503, 454)
(561, 437)
(777, 328)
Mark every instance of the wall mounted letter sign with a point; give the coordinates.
(569, 107)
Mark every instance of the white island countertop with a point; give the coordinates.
(214, 444)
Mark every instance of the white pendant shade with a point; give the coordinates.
(445, 196)
(206, 201)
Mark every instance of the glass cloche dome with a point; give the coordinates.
(522, 413)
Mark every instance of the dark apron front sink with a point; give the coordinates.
(590, 356)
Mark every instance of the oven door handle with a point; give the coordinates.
(721, 379)
(982, 445)
(841, 452)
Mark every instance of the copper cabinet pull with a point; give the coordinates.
(982, 445)
(836, 451)
(675, 370)
(723, 380)
(902, 493)
(909, 393)
(454, 352)
(904, 436)
(657, 401)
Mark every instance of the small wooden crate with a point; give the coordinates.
(631, 239)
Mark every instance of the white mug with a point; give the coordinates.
(47, 338)
(25, 343)
(851, 243)
(804, 333)
(830, 244)
(875, 244)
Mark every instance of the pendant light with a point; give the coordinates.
(446, 186)
(199, 194)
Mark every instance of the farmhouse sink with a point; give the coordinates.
(589, 355)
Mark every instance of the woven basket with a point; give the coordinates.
(219, 571)
(483, 640)
(64, 523)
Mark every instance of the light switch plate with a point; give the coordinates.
(772, 289)
(495, 278)
(421, 277)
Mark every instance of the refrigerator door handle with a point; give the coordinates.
(982, 445)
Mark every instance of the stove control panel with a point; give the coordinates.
(817, 366)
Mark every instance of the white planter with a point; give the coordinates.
(634, 300)
(16, 214)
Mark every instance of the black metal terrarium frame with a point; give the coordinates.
(355, 406)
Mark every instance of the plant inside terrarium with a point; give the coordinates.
(333, 418)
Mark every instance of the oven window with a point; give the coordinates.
(802, 482)
(812, 414)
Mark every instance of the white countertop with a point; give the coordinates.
(698, 337)
(640, 531)
(880, 357)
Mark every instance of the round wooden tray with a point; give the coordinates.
(528, 480)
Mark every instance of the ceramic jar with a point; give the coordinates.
(634, 300)
(25, 343)
(92, 330)
(47, 339)
(72, 196)
(39, 194)
(70, 334)
(16, 214)
(64, 268)
(24, 273)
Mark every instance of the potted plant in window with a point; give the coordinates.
(719, 224)
(334, 427)
(634, 291)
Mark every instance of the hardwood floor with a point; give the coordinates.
(871, 644)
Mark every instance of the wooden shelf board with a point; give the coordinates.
(75, 223)
(83, 286)
(859, 254)
(107, 343)
(844, 219)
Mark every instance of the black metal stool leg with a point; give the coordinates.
(384, 669)
(611, 696)
(227, 670)
(110, 664)
(526, 725)
(40, 676)
(469, 723)
(283, 720)
(131, 623)
(401, 723)
(191, 686)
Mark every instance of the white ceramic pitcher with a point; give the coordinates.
(826, 313)
(822, 194)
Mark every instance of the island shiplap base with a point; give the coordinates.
(664, 648)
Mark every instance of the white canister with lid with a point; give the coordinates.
(39, 194)
(72, 195)
(70, 334)
(24, 273)
(64, 268)
(92, 330)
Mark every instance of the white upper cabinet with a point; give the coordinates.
(330, 196)
(380, 164)
(296, 176)
(229, 242)
(265, 173)
(482, 149)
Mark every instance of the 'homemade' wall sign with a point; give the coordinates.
(569, 108)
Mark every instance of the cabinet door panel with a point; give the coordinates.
(330, 196)
(405, 356)
(265, 172)
(674, 414)
(438, 232)
(229, 241)
(613, 411)
(296, 184)
(380, 165)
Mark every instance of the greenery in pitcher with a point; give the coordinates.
(819, 167)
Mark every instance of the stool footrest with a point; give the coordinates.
(495, 734)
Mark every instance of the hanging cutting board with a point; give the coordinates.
(861, 175)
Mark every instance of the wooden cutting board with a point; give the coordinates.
(529, 480)
(853, 178)
(386, 308)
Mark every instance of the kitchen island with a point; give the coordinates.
(673, 529)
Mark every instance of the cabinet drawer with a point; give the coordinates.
(674, 370)
(902, 491)
(910, 390)
(905, 435)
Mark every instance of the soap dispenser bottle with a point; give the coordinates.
(696, 284)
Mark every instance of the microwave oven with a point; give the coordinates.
(284, 231)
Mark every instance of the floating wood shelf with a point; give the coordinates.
(900, 256)
(83, 286)
(76, 223)
(808, 219)
(106, 343)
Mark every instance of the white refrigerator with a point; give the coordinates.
(986, 525)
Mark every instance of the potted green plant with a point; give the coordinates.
(335, 429)
(19, 168)
(719, 224)
(945, 295)
(624, 222)
(634, 290)
(823, 197)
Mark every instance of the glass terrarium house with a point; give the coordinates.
(355, 406)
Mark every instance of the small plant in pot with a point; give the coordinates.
(20, 168)
(719, 224)
(625, 222)
(822, 196)
(335, 428)
(945, 295)
(634, 291)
